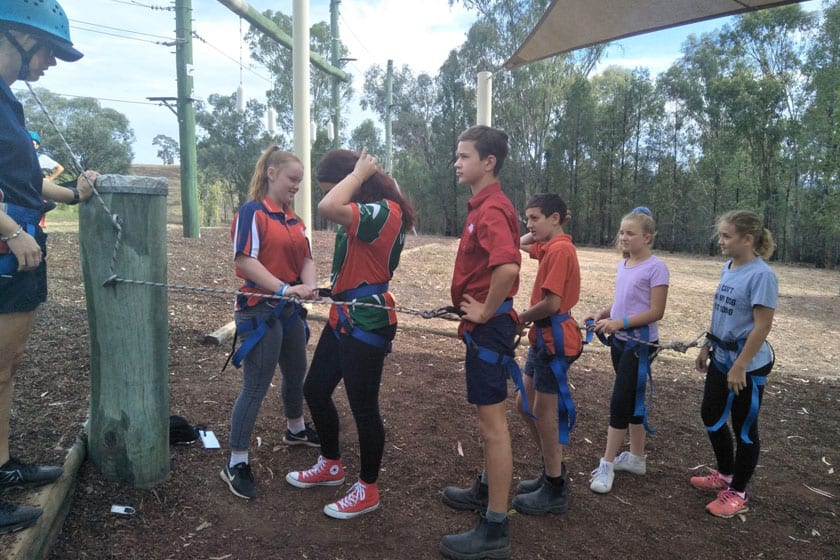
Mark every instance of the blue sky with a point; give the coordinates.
(122, 69)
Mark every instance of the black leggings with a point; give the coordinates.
(360, 366)
(625, 360)
(740, 464)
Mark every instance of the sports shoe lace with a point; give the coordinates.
(601, 472)
(245, 472)
(728, 497)
(316, 469)
(354, 496)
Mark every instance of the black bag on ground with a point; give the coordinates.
(181, 432)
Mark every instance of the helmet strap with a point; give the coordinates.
(25, 56)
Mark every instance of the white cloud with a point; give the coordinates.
(123, 71)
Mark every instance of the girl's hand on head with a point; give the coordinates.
(366, 166)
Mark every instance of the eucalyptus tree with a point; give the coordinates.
(818, 239)
(227, 148)
(278, 60)
(770, 102)
(99, 137)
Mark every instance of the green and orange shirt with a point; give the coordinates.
(367, 253)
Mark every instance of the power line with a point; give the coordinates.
(221, 52)
(164, 43)
(141, 5)
(105, 99)
(120, 29)
(350, 29)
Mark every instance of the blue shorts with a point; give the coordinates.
(539, 369)
(488, 383)
(21, 292)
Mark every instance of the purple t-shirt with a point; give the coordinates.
(632, 291)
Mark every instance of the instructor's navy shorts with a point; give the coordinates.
(487, 383)
(22, 292)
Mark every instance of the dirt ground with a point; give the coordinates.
(428, 423)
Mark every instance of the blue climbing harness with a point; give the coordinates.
(496, 358)
(566, 413)
(28, 219)
(644, 377)
(252, 331)
(723, 362)
(345, 324)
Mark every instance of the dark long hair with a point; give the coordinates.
(338, 164)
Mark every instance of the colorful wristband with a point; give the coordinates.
(282, 291)
(626, 323)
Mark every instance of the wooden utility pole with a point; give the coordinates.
(128, 429)
(186, 117)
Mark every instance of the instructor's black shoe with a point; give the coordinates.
(14, 517)
(473, 498)
(548, 498)
(486, 540)
(15, 474)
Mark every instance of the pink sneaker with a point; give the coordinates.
(712, 481)
(326, 472)
(728, 504)
(361, 498)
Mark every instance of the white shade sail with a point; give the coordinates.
(567, 25)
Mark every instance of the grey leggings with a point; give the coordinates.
(286, 347)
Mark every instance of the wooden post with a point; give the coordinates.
(128, 429)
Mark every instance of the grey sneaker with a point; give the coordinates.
(307, 436)
(240, 480)
(602, 477)
(14, 517)
(16, 474)
(628, 462)
(473, 498)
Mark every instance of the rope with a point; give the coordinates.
(116, 221)
(440, 313)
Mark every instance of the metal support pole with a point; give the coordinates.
(484, 99)
(300, 106)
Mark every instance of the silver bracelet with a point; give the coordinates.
(7, 238)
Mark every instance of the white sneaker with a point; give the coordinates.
(628, 462)
(602, 477)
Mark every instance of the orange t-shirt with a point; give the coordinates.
(558, 273)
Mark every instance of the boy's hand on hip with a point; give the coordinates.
(473, 310)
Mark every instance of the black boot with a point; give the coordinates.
(486, 540)
(526, 486)
(548, 498)
(473, 498)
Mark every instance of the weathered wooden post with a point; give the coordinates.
(128, 428)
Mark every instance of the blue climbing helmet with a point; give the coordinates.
(35, 136)
(44, 19)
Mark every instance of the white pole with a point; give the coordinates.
(300, 105)
(484, 99)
